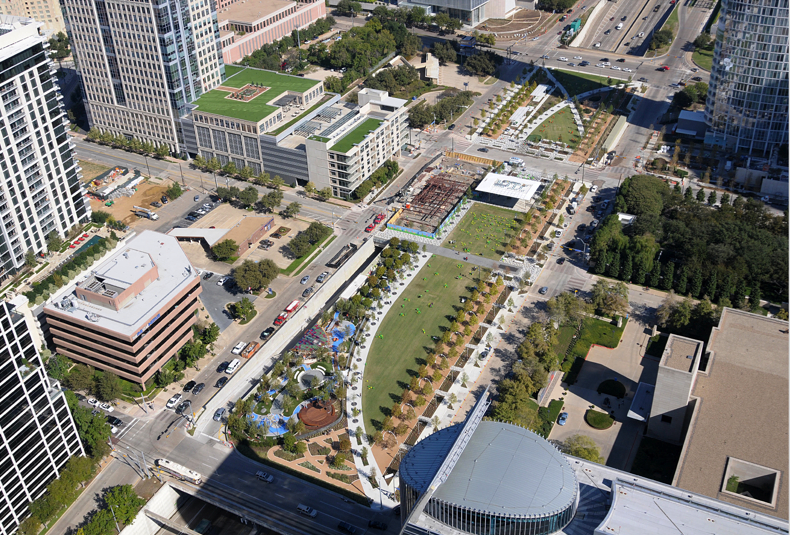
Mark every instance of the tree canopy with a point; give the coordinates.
(255, 275)
(225, 249)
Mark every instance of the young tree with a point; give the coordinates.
(584, 447)
(701, 195)
(108, 386)
(125, 503)
(712, 197)
(248, 196)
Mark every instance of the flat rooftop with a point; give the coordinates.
(680, 353)
(217, 102)
(743, 408)
(508, 186)
(245, 228)
(347, 142)
(175, 274)
(252, 11)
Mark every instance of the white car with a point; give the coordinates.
(92, 402)
(593, 189)
(615, 68)
(535, 38)
(577, 57)
(106, 407)
(238, 348)
(605, 63)
(172, 402)
(626, 69)
(641, 34)
(601, 65)
(562, 58)
(222, 281)
(113, 429)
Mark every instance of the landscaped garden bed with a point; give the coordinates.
(598, 420)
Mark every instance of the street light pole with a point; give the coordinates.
(147, 166)
(116, 520)
(183, 180)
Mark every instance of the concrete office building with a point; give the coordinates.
(470, 12)
(133, 312)
(142, 63)
(739, 383)
(46, 12)
(288, 126)
(37, 433)
(486, 477)
(245, 27)
(40, 191)
(747, 103)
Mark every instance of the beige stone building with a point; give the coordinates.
(46, 12)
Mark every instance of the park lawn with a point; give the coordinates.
(484, 231)
(703, 58)
(595, 331)
(400, 346)
(576, 83)
(558, 127)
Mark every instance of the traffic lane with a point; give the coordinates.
(648, 23)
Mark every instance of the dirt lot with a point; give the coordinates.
(91, 170)
(147, 192)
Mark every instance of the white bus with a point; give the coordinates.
(178, 471)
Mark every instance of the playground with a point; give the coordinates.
(485, 230)
(423, 310)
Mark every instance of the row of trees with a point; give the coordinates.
(66, 272)
(444, 110)
(301, 244)
(379, 177)
(272, 56)
(133, 145)
(678, 242)
(484, 63)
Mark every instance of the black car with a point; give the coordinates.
(604, 59)
(560, 261)
(451, 127)
(112, 420)
(221, 382)
(482, 150)
(375, 524)
(184, 407)
(307, 292)
(267, 333)
(582, 226)
(345, 527)
(221, 367)
(156, 204)
(198, 388)
(189, 386)
(621, 60)
(207, 275)
(164, 199)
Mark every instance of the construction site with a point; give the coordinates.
(434, 194)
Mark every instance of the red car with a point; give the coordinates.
(379, 219)
(281, 318)
(370, 228)
(664, 67)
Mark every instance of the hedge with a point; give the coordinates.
(598, 420)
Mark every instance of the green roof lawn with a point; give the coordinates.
(346, 143)
(215, 101)
(230, 70)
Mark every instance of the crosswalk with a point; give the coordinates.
(459, 144)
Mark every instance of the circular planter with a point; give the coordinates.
(598, 420)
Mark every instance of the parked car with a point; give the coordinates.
(221, 382)
(370, 228)
(375, 524)
(322, 277)
(561, 261)
(175, 400)
(267, 333)
(345, 527)
(222, 281)
(163, 199)
(198, 388)
(483, 149)
(562, 420)
(219, 413)
(238, 348)
(191, 218)
(92, 402)
(196, 198)
(106, 407)
(221, 367)
(189, 386)
(304, 279)
(156, 204)
(207, 275)
(307, 292)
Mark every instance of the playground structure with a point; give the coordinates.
(317, 414)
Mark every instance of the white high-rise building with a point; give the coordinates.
(37, 432)
(141, 63)
(40, 190)
(747, 102)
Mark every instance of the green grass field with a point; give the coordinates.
(576, 83)
(346, 143)
(400, 346)
(559, 127)
(703, 57)
(484, 231)
(215, 101)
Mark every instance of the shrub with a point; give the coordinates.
(598, 420)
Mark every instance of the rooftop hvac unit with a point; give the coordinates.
(92, 317)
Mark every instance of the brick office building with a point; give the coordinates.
(133, 312)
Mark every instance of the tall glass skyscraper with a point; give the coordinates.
(142, 62)
(747, 106)
(37, 433)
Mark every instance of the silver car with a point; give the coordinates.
(219, 414)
